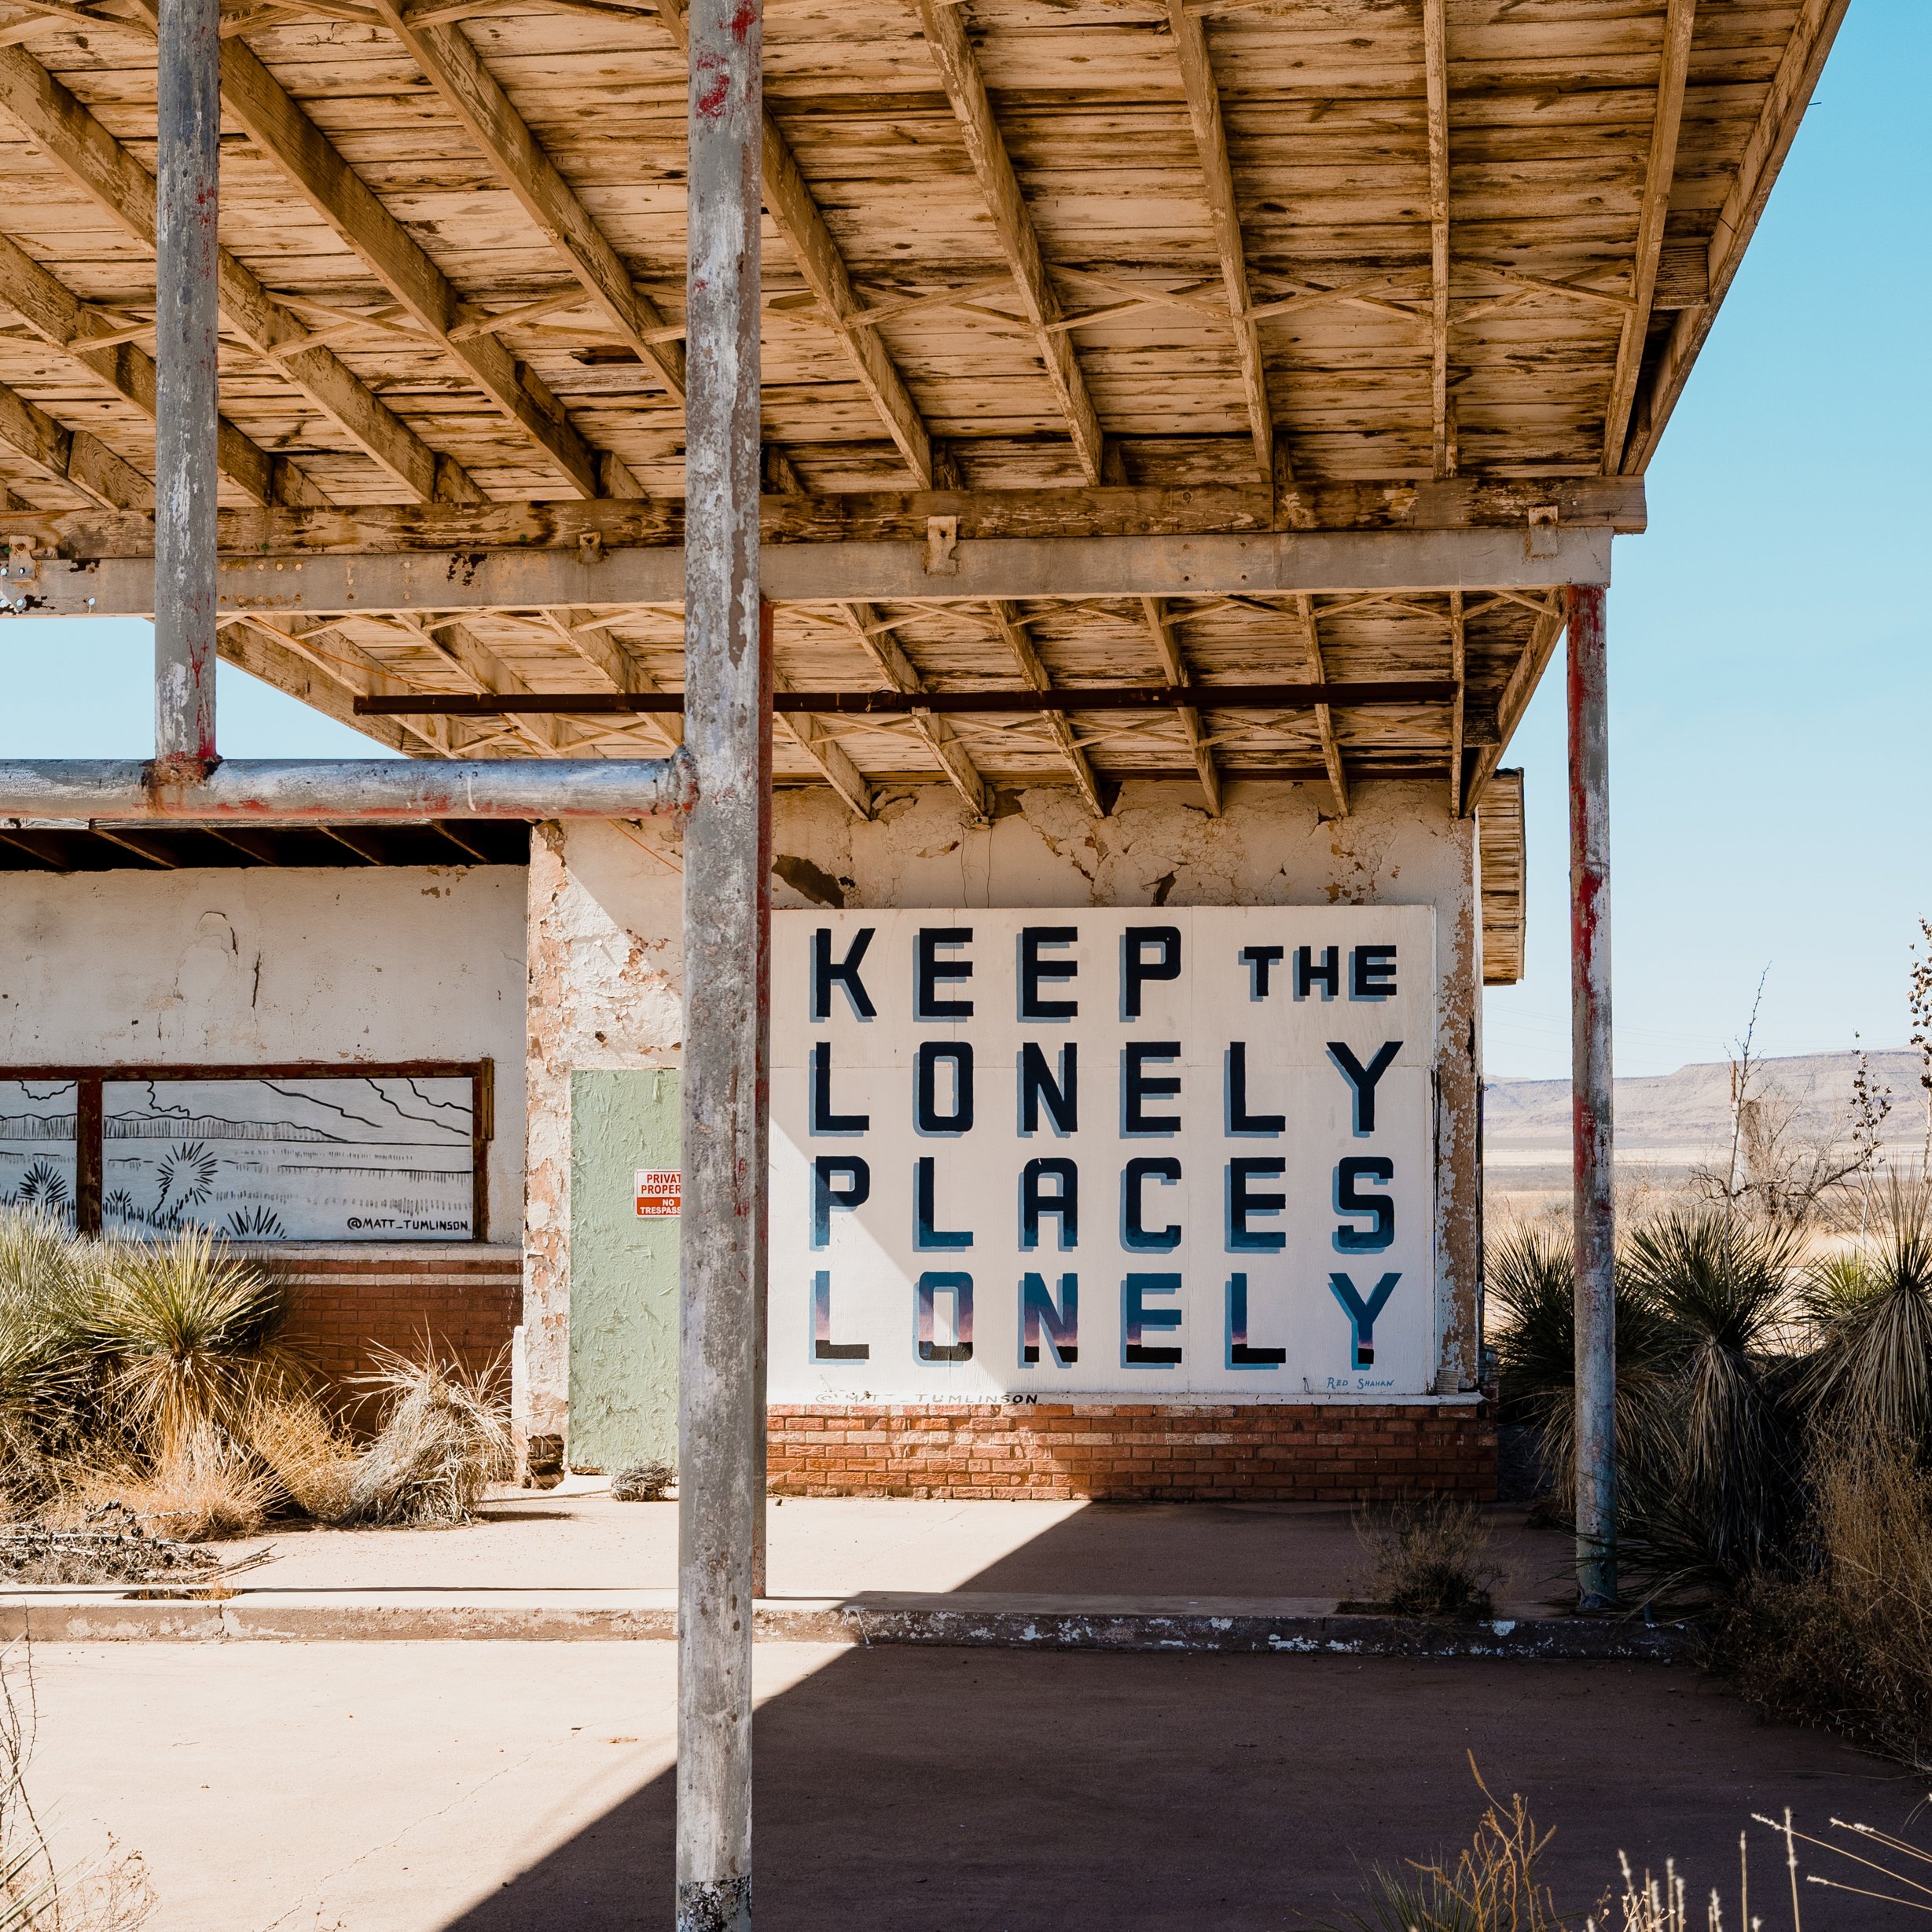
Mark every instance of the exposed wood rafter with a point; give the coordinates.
(57, 316)
(1458, 669)
(452, 65)
(279, 659)
(944, 29)
(1515, 699)
(1162, 628)
(1012, 628)
(75, 457)
(1660, 172)
(1210, 136)
(1325, 715)
(794, 212)
(83, 149)
(898, 670)
(1435, 67)
(1770, 140)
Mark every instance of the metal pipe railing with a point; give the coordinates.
(268, 791)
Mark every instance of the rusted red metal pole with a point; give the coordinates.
(187, 204)
(1594, 1140)
(727, 927)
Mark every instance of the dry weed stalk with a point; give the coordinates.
(198, 1485)
(1427, 1557)
(444, 1440)
(306, 1451)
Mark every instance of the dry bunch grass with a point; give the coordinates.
(1427, 1558)
(306, 1451)
(199, 1485)
(445, 1438)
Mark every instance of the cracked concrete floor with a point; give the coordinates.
(524, 1787)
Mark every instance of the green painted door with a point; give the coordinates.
(623, 1272)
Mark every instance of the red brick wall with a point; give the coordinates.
(465, 1299)
(1253, 1453)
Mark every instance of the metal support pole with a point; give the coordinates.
(187, 172)
(1595, 1176)
(726, 918)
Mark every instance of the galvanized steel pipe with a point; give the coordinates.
(187, 174)
(298, 791)
(727, 939)
(1591, 1072)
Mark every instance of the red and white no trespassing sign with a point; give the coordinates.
(660, 1193)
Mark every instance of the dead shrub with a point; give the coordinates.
(1427, 1558)
(1844, 1636)
(199, 1485)
(305, 1450)
(444, 1439)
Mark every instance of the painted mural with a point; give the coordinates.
(327, 1160)
(37, 1145)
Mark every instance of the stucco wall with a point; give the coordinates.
(606, 959)
(267, 964)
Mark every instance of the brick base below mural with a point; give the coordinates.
(345, 1304)
(1249, 1453)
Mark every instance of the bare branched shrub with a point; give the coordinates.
(445, 1438)
(1429, 1558)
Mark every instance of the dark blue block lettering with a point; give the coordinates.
(926, 1233)
(823, 1119)
(1241, 1353)
(844, 973)
(1363, 1079)
(926, 1115)
(1137, 1320)
(1371, 973)
(930, 971)
(1061, 1325)
(1033, 1003)
(1037, 1087)
(1348, 1199)
(1242, 1201)
(1240, 1119)
(931, 1285)
(1327, 975)
(1147, 953)
(1138, 1086)
(1134, 1232)
(857, 1177)
(1063, 1202)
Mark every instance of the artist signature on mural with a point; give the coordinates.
(408, 1225)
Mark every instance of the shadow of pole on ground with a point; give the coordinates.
(905, 1790)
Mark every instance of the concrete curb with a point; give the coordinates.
(1294, 1626)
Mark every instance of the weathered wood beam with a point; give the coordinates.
(1210, 137)
(70, 136)
(452, 65)
(1770, 140)
(1459, 667)
(76, 457)
(278, 661)
(794, 518)
(618, 668)
(1660, 174)
(942, 740)
(288, 138)
(1161, 629)
(1515, 700)
(944, 29)
(466, 653)
(821, 746)
(1271, 565)
(1011, 624)
(795, 214)
(1325, 715)
(1435, 69)
(57, 316)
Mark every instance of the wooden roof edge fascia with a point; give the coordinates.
(1012, 221)
(795, 213)
(1660, 173)
(1765, 151)
(1515, 701)
(60, 318)
(609, 524)
(1210, 137)
(75, 457)
(452, 65)
(1500, 837)
(82, 147)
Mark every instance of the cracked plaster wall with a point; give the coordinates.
(262, 964)
(605, 955)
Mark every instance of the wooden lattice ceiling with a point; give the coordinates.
(1069, 244)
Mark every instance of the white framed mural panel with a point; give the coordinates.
(1145, 1154)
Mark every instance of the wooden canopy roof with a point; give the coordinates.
(1095, 268)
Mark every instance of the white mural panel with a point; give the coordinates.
(37, 1145)
(1152, 1153)
(307, 1159)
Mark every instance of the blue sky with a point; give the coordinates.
(1771, 678)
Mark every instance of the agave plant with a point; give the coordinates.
(191, 1330)
(1869, 1313)
(1721, 1286)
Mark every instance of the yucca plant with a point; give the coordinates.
(1530, 1284)
(190, 1330)
(46, 1276)
(1721, 1287)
